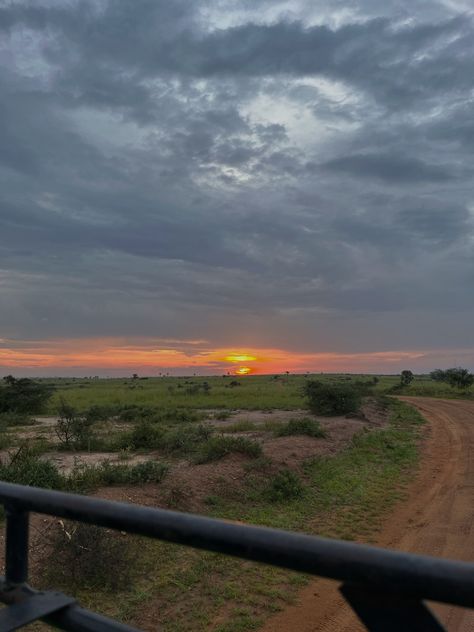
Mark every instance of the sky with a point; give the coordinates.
(196, 187)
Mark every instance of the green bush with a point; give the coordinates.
(145, 435)
(285, 485)
(136, 413)
(26, 468)
(305, 426)
(216, 448)
(329, 398)
(186, 439)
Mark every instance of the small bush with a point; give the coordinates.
(286, 485)
(74, 431)
(84, 478)
(25, 468)
(87, 556)
(216, 448)
(187, 439)
(326, 398)
(305, 426)
(11, 419)
(145, 435)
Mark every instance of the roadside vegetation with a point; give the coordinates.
(345, 496)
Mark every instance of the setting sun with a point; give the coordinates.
(243, 370)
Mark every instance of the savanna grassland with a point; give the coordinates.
(256, 392)
(251, 449)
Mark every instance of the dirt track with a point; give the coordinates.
(436, 519)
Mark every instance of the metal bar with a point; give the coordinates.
(385, 612)
(71, 617)
(32, 609)
(416, 576)
(16, 554)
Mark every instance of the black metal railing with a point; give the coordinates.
(386, 589)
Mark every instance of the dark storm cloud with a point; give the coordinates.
(158, 164)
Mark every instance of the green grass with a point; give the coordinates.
(257, 392)
(343, 496)
(218, 447)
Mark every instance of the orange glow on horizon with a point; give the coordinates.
(243, 370)
(152, 355)
(240, 357)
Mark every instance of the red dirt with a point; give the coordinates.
(435, 519)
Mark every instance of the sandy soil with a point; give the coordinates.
(436, 519)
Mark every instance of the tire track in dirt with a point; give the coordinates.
(435, 519)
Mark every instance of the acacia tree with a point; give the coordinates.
(23, 395)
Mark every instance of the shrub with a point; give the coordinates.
(84, 478)
(145, 435)
(305, 426)
(286, 485)
(10, 419)
(216, 448)
(325, 398)
(87, 556)
(26, 468)
(99, 413)
(72, 430)
(136, 413)
(186, 439)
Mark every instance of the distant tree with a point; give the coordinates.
(23, 395)
(456, 377)
(438, 375)
(135, 376)
(406, 378)
(459, 378)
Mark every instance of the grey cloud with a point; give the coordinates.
(390, 168)
(144, 187)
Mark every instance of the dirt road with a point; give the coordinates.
(437, 519)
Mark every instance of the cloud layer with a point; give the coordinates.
(273, 175)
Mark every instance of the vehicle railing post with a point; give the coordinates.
(16, 554)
